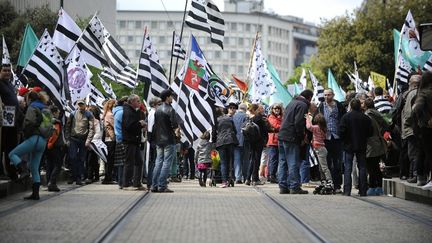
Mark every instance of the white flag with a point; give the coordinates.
(5, 57)
(66, 32)
(78, 77)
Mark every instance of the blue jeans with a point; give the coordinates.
(226, 160)
(77, 157)
(273, 155)
(361, 164)
(238, 162)
(289, 163)
(35, 147)
(164, 159)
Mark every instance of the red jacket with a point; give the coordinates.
(275, 124)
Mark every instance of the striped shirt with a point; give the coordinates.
(382, 104)
(331, 114)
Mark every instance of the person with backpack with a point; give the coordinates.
(54, 152)
(37, 129)
(79, 132)
(256, 135)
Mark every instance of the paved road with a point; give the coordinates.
(194, 214)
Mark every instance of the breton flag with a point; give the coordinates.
(66, 32)
(318, 88)
(95, 97)
(178, 51)
(303, 80)
(205, 15)
(150, 71)
(91, 42)
(190, 95)
(115, 55)
(78, 77)
(262, 84)
(107, 88)
(126, 77)
(46, 65)
(6, 56)
(100, 148)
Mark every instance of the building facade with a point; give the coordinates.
(286, 41)
(107, 9)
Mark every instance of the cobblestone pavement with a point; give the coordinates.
(195, 214)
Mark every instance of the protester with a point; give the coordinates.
(34, 143)
(241, 151)
(120, 148)
(354, 130)
(275, 121)
(54, 151)
(79, 132)
(108, 120)
(92, 156)
(151, 146)
(164, 138)
(382, 103)
(225, 143)
(291, 137)
(203, 157)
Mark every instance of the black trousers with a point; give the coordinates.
(255, 161)
(92, 166)
(375, 174)
(151, 164)
(424, 158)
(334, 160)
(189, 164)
(54, 160)
(133, 166)
(9, 140)
(109, 165)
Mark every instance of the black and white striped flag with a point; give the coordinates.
(178, 51)
(204, 15)
(91, 42)
(95, 97)
(115, 55)
(107, 88)
(318, 88)
(66, 32)
(150, 70)
(127, 77)
(46, 66)
(191, 99)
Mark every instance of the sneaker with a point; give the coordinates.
(298, 191)
(239, 182)
(209, 182)
(428, 186)
(223, 185)
(283, 190)
(371, 192)
(53, 188)
(421, 181)
(247, 182)
(154, 190)
(166, 190)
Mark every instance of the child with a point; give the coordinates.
(203, 157)
(319, 134)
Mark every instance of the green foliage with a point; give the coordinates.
(13, 25)
(365, 36)
(309, 65)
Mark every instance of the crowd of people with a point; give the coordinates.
(344, 145)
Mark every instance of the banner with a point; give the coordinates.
(379, 80)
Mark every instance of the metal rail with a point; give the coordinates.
(311, 233)
(108, 235)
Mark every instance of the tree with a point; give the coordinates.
(365, 36)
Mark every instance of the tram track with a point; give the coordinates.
(109, 234)
(300, 224)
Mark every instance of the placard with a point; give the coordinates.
(9, 116)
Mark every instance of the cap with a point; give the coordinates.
(80, 102)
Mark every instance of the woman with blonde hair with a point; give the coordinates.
(108, 119)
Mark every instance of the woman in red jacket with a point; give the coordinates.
(275, 121)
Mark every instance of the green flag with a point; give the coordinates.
(28, 46)
(332, 84)
(396, 37)
(281, 94)
(297, 89)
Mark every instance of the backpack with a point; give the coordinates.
(46, 127)
(250, 131)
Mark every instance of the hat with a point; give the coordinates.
(80, 102)
(165, 94)
(22, 91)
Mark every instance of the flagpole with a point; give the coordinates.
(172, 49)
(250, 63)
(181, 36)
(142, 48)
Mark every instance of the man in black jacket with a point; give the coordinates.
(333, 110)
(291, 137)
(164, 138)
(354, 130)
(132, 132)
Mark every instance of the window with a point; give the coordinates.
(240, 70)
(240, 27)
(209, 54)
(248, 27)
(130, 25)
(234, 26)
(170, 24)
(138, 39)
(225, 68)
(137, 53)
(122, 39)
(217, 54)
(130, 38)
(122, 24)
(154, 24)
(225, 55)
(162, 39)
(232, 41)
(138, 24)
(240, 41)
(233, 55)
